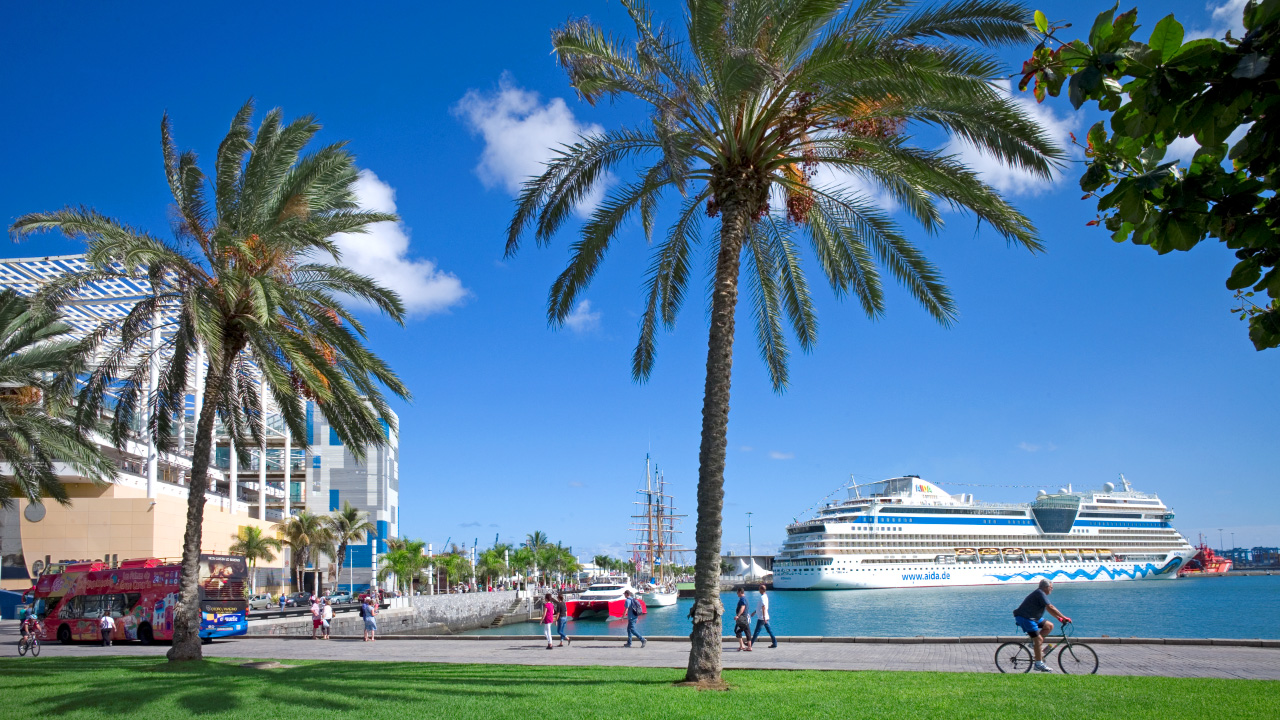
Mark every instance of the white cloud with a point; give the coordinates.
(382, 252)
(775, 455)
(521, 134)
(1184, 148)
(745, 448)
(1030, 447)
(582, 319)
(1226, 16)
(1012, 180)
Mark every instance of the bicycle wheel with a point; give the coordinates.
(22, 647)
(35, 648)
(1013, 657)
(1077, 659)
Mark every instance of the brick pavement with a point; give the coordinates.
(1125, 659)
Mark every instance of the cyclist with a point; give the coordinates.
(28, 626)
(1030, 617)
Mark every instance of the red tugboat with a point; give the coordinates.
(1205, 562)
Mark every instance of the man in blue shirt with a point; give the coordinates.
(632, 608)
(1030, 617)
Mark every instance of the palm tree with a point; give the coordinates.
(602, 562)
(306, 535)
(755, 116)
(536, 540)
(404, 559)
(348, 525)
(492, 562)
(254, 546)
(38, 365)
(255, 282)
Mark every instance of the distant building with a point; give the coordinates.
(143, 514)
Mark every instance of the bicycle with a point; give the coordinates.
(1074, 658)
(29, 642)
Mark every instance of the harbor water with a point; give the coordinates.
(1224, 607)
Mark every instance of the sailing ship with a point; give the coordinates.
(655, 549)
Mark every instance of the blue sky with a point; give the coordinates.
(1071, 366)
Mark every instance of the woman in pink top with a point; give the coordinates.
(548, 617)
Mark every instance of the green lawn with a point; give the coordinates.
(145, 688)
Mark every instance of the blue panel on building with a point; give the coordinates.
(334, 440)
(315, 462)
(386, 428)
(383, 531)
(333, 500)
(311, 417)
(359, 556)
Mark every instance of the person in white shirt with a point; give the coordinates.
(762, 619)
(107, 625)
(326, 617)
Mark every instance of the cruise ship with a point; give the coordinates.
(907, 532)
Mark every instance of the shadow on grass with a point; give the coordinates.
(147, 685)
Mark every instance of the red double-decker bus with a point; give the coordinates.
(142, 596)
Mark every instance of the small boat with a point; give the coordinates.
(1012, 553)
(1052, 554)
(1070, 553)
(1088, 554)
(606, 598)
(989, 554)
(661, 597)
(1034, 555)
(1104, 554)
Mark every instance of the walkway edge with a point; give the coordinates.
(1217, 642)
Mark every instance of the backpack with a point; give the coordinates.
(633, 608)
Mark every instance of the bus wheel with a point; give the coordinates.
(145, 635)
(64, 635)
(206, 640)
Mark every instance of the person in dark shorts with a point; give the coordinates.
(1030, 617)
(742, 622)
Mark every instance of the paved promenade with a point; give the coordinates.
(1137, 659)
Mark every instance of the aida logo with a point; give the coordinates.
(923, 488)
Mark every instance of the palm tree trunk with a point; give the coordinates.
(704, 654)
(186, 621)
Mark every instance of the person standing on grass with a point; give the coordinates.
(762, 618)
(107, 625)
(315, 617)
(562, 617)
(742, 622)
(632, 610)
(326, 617)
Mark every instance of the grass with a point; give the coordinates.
(143, 688)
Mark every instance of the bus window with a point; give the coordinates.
(91, 606)
(131, 601)
(71, 609)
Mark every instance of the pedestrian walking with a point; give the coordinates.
(632, 609)
(326, 617)
(762, 618)
(742, 622)
(548, 617)
(315, 618)
(107, 626)
(368, 612)
(562, 617)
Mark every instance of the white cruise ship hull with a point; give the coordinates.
(932, 575)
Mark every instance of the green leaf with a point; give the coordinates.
(1166, 38)
(1245, 273)
(1251, 66)
(1197, 53)
(1042, 22)
(1102, 26)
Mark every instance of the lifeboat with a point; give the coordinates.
(1070, 553)
(1104, 554)
(989, 554)
(1088, 554)
(1012, 553)
(1034, 555)
(1052, 554)
(966, 554)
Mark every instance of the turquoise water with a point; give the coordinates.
(1231, 607)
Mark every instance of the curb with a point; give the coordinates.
(804, 639)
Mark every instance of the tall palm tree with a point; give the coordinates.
(536, 540)
(38, 366)
(255, 280)
(254, 546)
(404, 559)
(757, 113)
(306, 535)
(348, 525)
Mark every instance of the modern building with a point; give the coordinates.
(143, 514)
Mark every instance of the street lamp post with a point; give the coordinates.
(1220, 544)
(751, 563)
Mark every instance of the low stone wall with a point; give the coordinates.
(423, 614)
(454, 613)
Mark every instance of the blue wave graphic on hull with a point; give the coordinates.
(1137, 572)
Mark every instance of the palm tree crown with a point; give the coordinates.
(759, 116)
(346, 526)
(38, 363)
(254, 546)
(254, 279)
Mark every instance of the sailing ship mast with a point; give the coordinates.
(654, 523)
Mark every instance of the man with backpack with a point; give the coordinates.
(632, 608)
